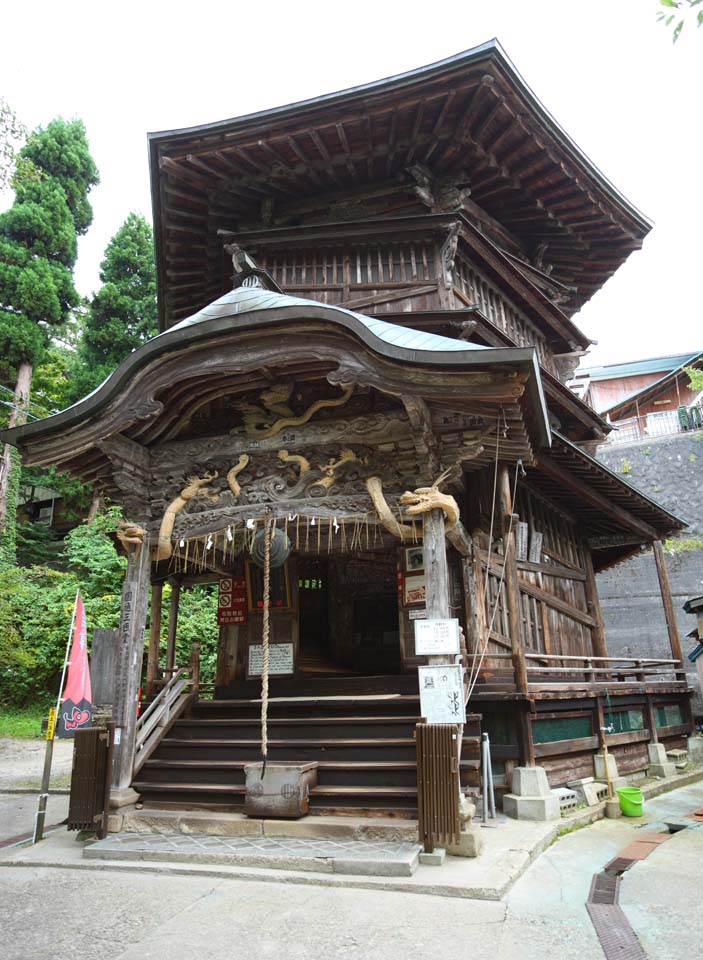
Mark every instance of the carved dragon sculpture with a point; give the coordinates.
(130, 535)
(196, 486)
(374, 485)
(304, 465)
(331, 469)
(256, 420)
(416, 502)
(234, 472)
(425, 499)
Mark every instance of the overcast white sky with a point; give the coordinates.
(607, 72)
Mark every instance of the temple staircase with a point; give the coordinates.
(364, 745)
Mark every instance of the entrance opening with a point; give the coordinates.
(315, 656)
(348, 615)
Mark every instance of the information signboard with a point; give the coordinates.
(280, 659)
(442, 694)
(436, 637)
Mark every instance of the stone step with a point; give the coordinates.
(377, 858)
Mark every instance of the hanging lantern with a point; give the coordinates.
(280, 548)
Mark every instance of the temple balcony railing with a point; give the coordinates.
(559, 674)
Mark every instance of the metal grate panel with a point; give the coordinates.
(604, 889)
(437, 746)
(619, 864)
(90, 779)
(614, 932)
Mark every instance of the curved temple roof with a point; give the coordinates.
(248, 307)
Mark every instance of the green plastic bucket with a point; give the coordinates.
(631, 801)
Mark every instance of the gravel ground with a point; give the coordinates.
(21, 766)
(22, 762)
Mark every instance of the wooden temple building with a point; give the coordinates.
(366, 304)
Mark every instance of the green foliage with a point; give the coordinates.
(625, 466)
(695, 377)
(38, 240)
(197, 623)
(22, 722)
(8, 531)
(36, 544)
(683, 11)
(61, 152)
(122, 314)
(684, 544)
(14, 170)
(51, 381)
(36, 605)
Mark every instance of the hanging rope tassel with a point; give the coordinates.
(265, 643)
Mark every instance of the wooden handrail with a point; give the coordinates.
(588, 659)
(160, 697)
(160, 715)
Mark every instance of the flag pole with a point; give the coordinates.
(50, 731)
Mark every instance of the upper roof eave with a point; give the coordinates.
(491, 51)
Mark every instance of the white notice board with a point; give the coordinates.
(280, 659)
(436, 636)
(442, 694)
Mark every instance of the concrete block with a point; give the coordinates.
(695, 748)
(612, 808)
(114, 822)
(575, 784)
(595, 793)
(470, 843)
(124, 797)
(530, 782)
(661, 770)
(531, 808)
(599, 762)
(656, 753)
(568, 800)
(434, 859)
(588, 790)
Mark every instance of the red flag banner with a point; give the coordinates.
(76, 706)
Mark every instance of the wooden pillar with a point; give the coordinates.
(130, 653)
(172, 627)
(227, 648)
(668, 603)
(526, 743)
(434, 552)
(512, 589)
(152, 663)
(652, 720)
(598, 643)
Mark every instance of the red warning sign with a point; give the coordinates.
(232, 601)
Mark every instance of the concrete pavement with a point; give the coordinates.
(117, 914)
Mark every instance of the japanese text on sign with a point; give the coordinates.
(436, 636)
(280, 659)
(232, 601)
(51, 724)
(442, 694)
